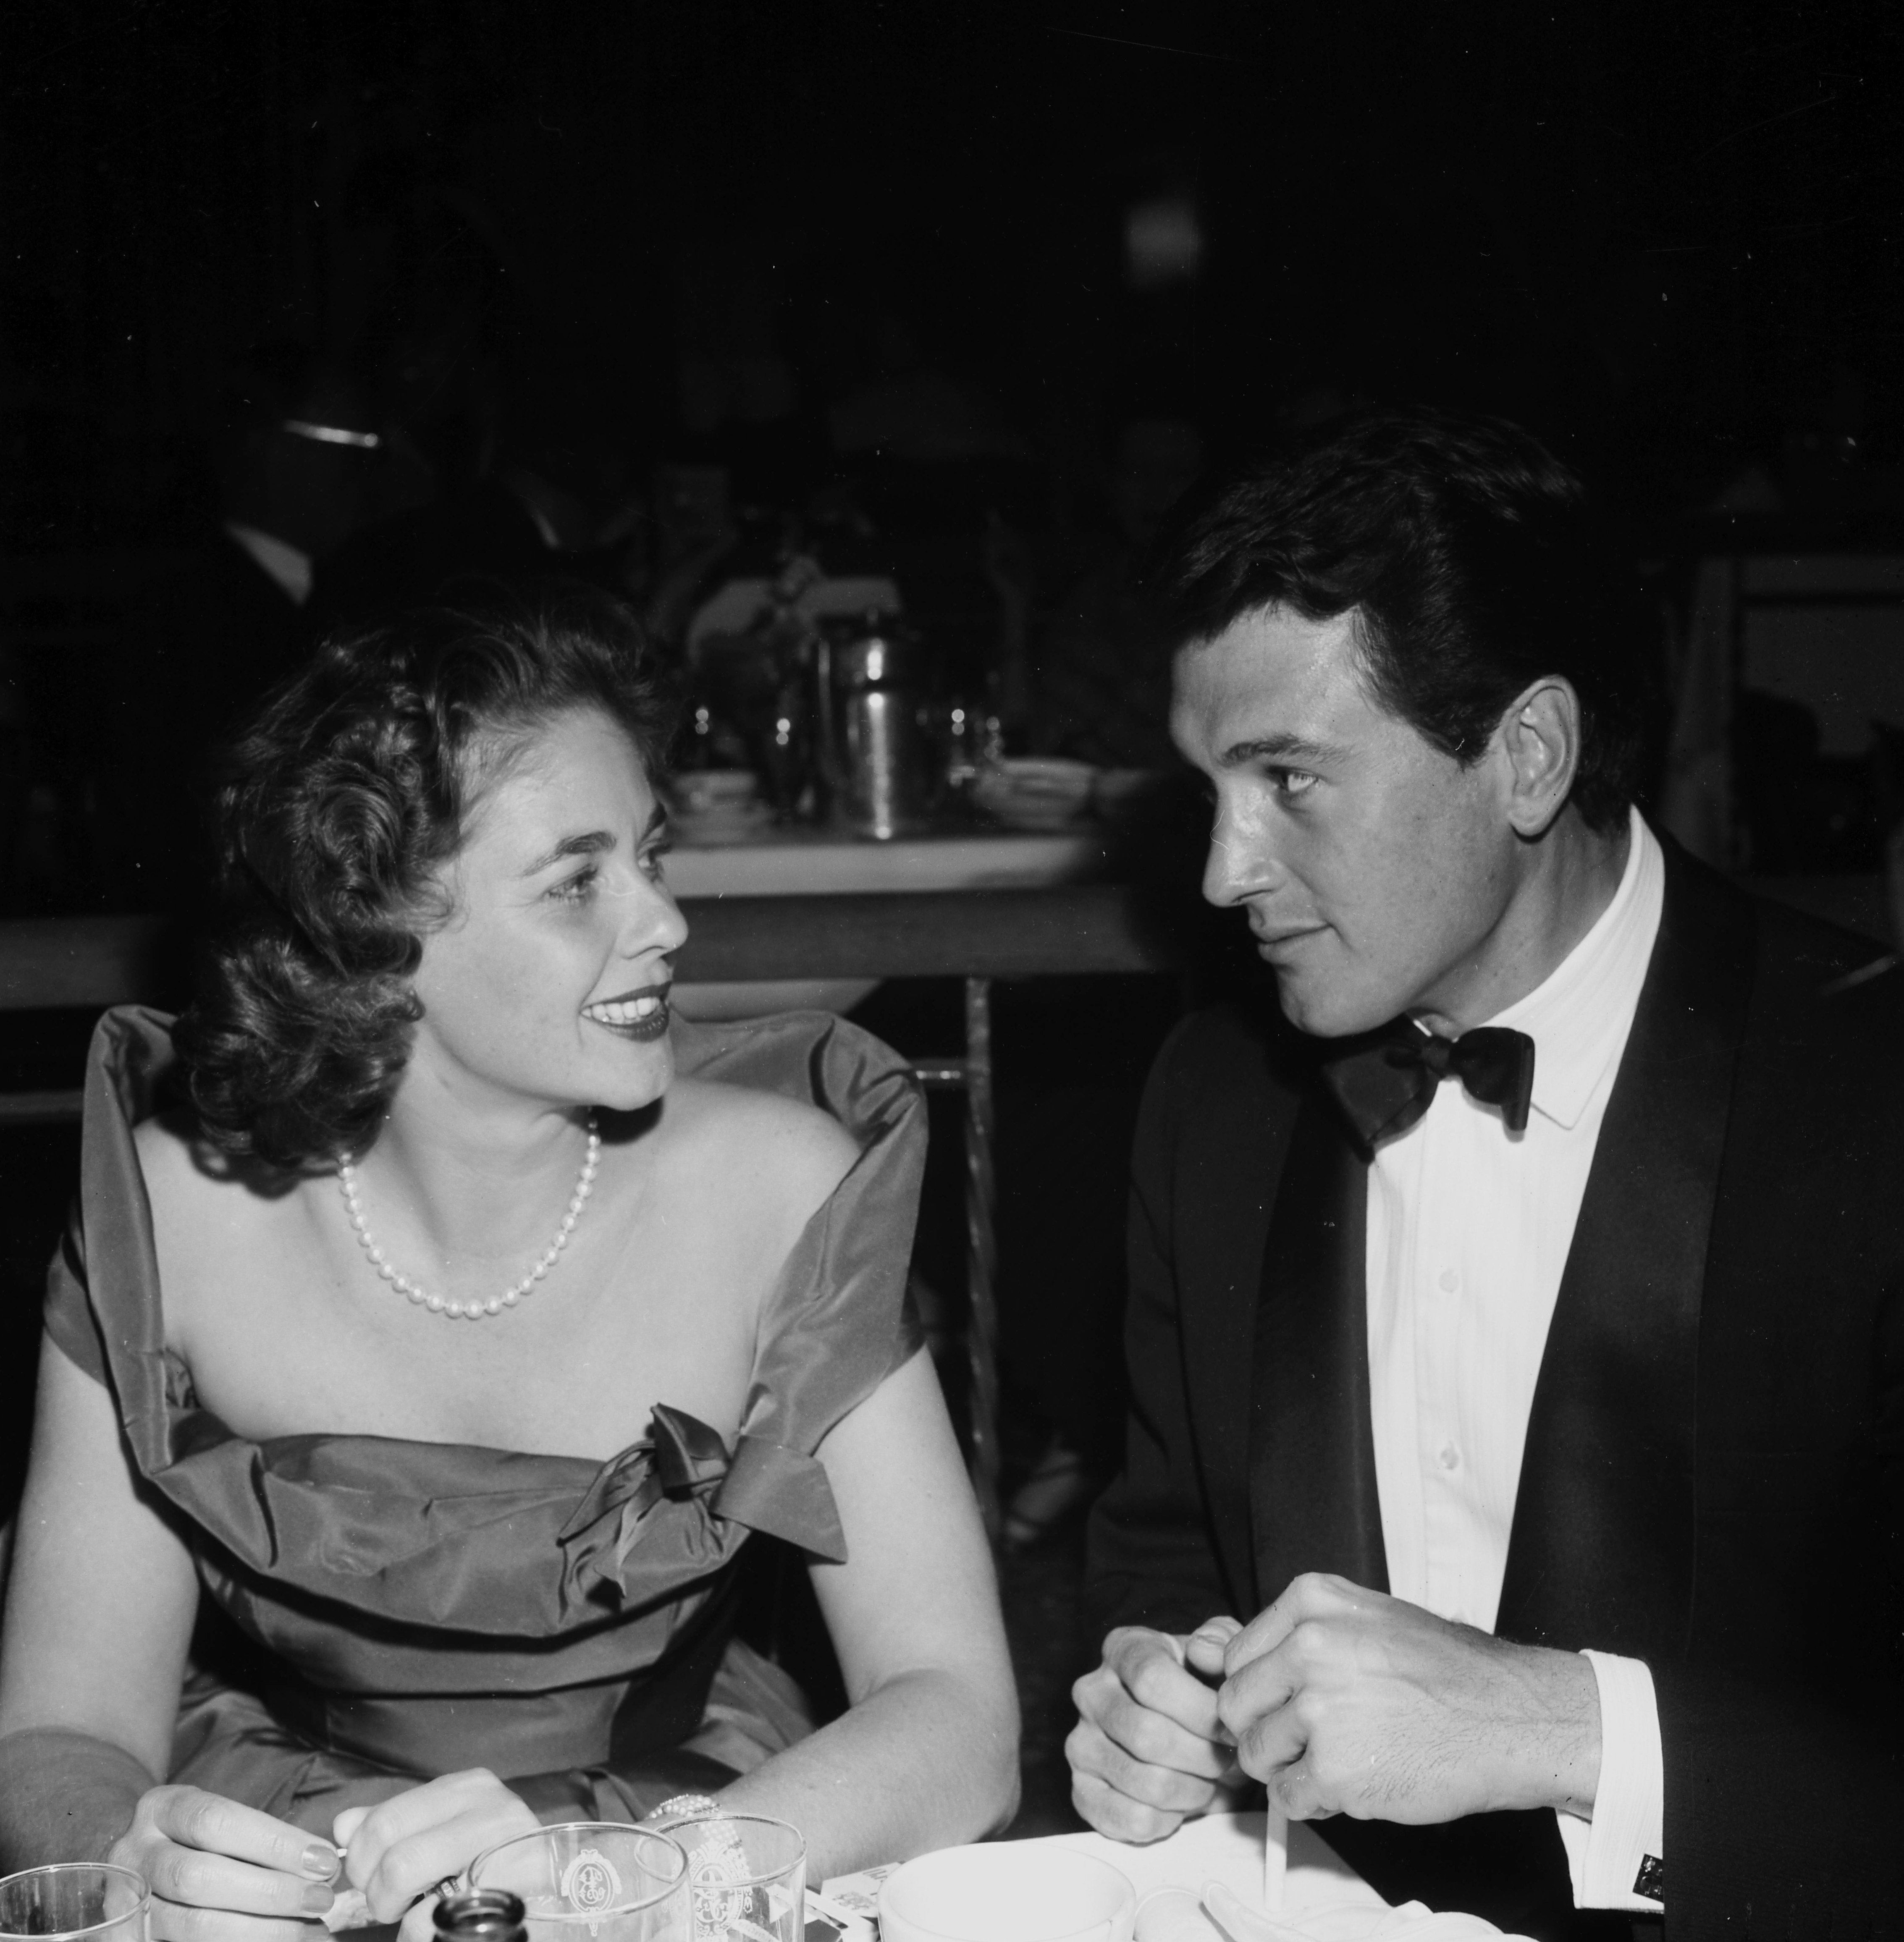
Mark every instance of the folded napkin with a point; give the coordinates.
(1205, 1884)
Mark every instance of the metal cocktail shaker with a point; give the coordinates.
(872, 679)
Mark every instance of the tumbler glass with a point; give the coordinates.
(747, 1877)
(592, 1881)
(70, 1900)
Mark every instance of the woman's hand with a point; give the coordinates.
(396, 1852)
(220, 1872)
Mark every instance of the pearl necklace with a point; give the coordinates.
(473, 1311)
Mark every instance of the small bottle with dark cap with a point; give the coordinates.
(481, 1915)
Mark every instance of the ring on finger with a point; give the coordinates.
(450, 1885)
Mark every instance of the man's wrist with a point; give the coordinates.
(1553, 1747)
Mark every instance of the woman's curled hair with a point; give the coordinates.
(341, 805)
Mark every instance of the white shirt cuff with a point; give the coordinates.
(1606, 1852)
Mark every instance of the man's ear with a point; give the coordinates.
(1539, 738)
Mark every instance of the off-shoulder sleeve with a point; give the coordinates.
(839, 1321)
(109, 1231)
(67, 1314)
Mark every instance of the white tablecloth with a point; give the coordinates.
(1228, 1848)
(1324, 1899)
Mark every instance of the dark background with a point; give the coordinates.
(1665, 235)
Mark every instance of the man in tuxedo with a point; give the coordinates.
(1516, 1325)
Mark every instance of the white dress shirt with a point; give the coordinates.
(1469, 1228)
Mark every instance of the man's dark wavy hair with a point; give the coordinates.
(340, 806)
(1470, 557)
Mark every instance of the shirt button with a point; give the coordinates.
(1450, 1280)
(1450, 1457)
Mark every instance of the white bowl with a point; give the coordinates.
(1007, 1892)
(710, 791)
(1046, 775)
(1034, 791)
(1117, 792)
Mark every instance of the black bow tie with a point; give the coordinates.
(1385, 1082)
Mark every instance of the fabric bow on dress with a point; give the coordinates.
(762, 1486)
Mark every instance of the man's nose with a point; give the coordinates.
(1241, 858)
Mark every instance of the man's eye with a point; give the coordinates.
(1292, 782)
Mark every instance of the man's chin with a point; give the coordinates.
(1327, 1012)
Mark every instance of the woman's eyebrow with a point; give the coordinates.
(590, 844)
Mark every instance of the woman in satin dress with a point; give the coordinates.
(438, 1318)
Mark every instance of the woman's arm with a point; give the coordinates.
(928, 1754)
(98, 1616)
(100, 1609)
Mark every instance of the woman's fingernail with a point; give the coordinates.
(320, 1861)
(318, 1897)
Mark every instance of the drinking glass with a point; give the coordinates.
(747, 1877)
(592, 1881)
(92, 1900)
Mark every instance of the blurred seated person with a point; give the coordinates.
(1101, 680)
(375, 1496)
(530, 512)
(297, 460)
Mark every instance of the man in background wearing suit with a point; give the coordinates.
(1516, 1328)
(298, 465)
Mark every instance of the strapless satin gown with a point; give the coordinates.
(379, 1611)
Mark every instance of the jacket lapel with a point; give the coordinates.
(1602, 1549)
(1313, 1503)
(1237, 1143)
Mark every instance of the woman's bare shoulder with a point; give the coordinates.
(187, 1180)
(168, 1160)
(761, 1139)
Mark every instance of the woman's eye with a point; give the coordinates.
(577, 889)
(654, 863)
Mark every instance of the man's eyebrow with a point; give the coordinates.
(1284, 748)
(590, 843)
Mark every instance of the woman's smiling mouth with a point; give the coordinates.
(635, 1015)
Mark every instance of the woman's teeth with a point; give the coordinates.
(623, 1011)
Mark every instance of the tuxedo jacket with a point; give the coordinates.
(1713, 1475)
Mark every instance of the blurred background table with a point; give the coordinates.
(806, 862)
